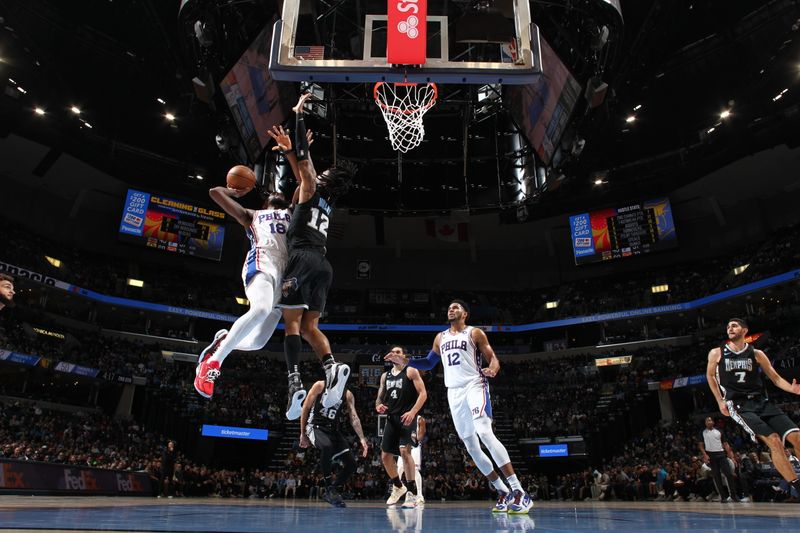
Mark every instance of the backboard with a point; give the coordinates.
(463, 46)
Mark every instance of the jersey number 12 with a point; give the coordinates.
(319, 221)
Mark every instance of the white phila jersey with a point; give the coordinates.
(268, 252)
(461, 359)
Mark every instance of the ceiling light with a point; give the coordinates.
(725, 114)
(711, 129)
(637, 107)
(75, 110)
(740, 269)
(655, 289)
(199, 177)
(39, 111)
(23, 91)
(12, 81)
(551, 305)
(242, 301)
(160, 101)
(598, 181)
(87, 124)
(135, 282)
(630, 119)
(53, 261)
(169, 116)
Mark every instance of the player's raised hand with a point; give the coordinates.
(304, 442)
(282, 140)
(299, 107)
(795, 386)
(723, 408)
(396, 358)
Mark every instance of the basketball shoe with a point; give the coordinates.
(502, 502)
(519, 502)
(296, 396)
(210, 349)
(333, 497)
(411, 501)
(335, 381)
(208, 372)
(397, 493)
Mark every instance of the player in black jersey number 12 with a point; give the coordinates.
(308, 275)
(734, 378)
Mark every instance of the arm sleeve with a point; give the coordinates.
(300, 139)
(425, 363)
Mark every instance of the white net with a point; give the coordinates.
(403, 105)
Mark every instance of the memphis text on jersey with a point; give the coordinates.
(738, 364)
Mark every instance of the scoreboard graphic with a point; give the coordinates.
(172, 225)
(626, 231)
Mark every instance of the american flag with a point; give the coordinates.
(309, 52)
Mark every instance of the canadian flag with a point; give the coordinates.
(447, 229)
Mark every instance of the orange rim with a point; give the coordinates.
(391, 109)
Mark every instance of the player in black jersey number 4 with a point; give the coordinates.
(308, 274)
(734, 378)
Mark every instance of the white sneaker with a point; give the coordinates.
(411, 501)
(397, 493)
(420, 500)
(746, 499)
(335, 383)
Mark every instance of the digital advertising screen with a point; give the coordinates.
(172, 225)
(626, 231)
(233, 432)
(553, 450)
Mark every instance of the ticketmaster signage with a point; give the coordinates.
(231, 432)
(553, 450)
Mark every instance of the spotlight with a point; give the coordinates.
(725, 114)
(169, 116)
(75, 110)
(637, 107)
(39, 111)
(631, 118)
(160, 101)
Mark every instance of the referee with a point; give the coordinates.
(715, 453)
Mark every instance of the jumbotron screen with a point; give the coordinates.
(172, 225)
(625, 231)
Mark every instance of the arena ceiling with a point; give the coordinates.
(675, 66)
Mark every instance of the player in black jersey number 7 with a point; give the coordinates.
(308, 274)
(734, 378)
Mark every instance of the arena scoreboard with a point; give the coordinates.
(626, 231)
(172, 225)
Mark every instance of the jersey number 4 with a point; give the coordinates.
(394, 394)
(319, 221)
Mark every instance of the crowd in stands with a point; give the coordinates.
(205, 291)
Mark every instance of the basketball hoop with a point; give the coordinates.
(403, 105)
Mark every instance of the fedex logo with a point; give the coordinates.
(9, 479)
(82, 481)
(126, 483)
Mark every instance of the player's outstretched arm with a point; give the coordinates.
(424, 363)
(308, 176)
(356, 423)
(711, 376)
(308, 403)
(773, 375)
(223, 197)
(283, 143)
(482, 342)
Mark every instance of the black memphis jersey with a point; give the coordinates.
(309, 225)
(326, 417)
(739, 374)
(401, 394)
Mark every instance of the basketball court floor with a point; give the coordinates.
(49, 514)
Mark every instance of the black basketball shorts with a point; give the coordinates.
(760, 417)
(327, 440)
(395, 434)
(306, 281)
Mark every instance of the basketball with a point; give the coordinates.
(241, 177)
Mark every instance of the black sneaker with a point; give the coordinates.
(333, 497)
(296, 396)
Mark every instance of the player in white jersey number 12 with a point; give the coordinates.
(459, 349)
(263, 267)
